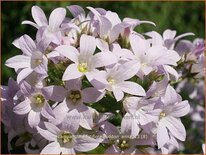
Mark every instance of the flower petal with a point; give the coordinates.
(56, 18)
(52, 128)
(127, 70)
(68, 51)
(71, 121)
(23, 74)
(76, 10)
(86, 143)
(180, 109)
(33, 118)
(87, 46)
(47, 134)
(47, 111)
(52, 148)
(91, 95)
(19, 61)
(118, 93)
(30, 23)
(39, 16)
(104, 59)
(135, 42)
(162, 134)
(54, 93)
(23, 107)
(71, 73)
(27, 45)
(132, 88)
(176, 127)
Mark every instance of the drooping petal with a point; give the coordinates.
(47, 134)
(104, 59)
(33, 118)
(91, 95)
(68, 51)
(176, 127)
(54, 93)
(85, 144)
(39, 16)
(52, 148)
(56, 18)
(23, 107)
(162, 134)
(71, 73)
(30, 23)
(184, 35)
(19, 61)
(132, 88)
(180, 109)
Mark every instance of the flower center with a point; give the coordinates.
(83, 67)
(65, 137)
(38, 100)
(111, 81)
(144, 65)
(123, 144)
(162, 114)
(74, 96)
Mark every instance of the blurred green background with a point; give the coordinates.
(180, 16)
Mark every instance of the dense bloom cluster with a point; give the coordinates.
(92, 83)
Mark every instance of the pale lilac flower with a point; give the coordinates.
(64, 141)
(172, 108)
(32, 60)
(85, 61)
(13, 123)
(109, 25)
(114, 80)
(168, 39)
(139, 113)
(151, 57)
(34, 104)
(130, 24)
(72, 98)
(124, 144)
(50, 30)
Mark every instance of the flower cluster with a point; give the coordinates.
(92, 83)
